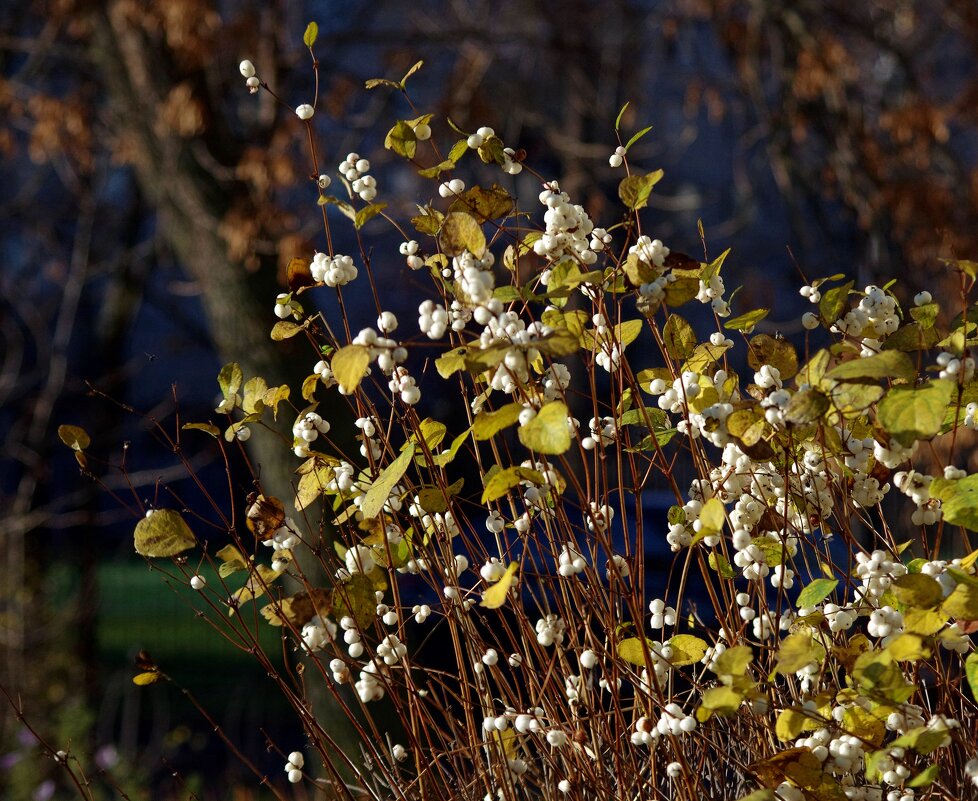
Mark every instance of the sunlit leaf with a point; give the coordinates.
(634, 190)
(163, 533)
(368, 213)
(816, 592)
(232, 560)
(686, 649)
(349, 365)
(495, 596)
(461, 232)
(797, 651)
(746, 322)
(208, 428)
(888, 364)
(679, 338)
(487, 424)
(912, 413)
(380, 491)
(917, 590)
(74, 437)
(779, 353)
(498, 483)
(548, 432)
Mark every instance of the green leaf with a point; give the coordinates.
(912, 413)
(498, 483)
(368, 213)
(451, 362)
(285, 329)
(816, 592)
(163, 533)
(548, 432)
(971, 672)
(926, 777)
(631, 651)
(459, 149)
(491, 151)
(834, 302)
(638, 271)
(796, 651)
(962, 603)
(634, 190)
(719, 563)
(704, 357)
(922, 739)
(620, 115)
(888, 364)
(311, 34)
(926, 315)
(74, 437)
(434, 172)
(428, 222)
(349, 365)
(355, 598)
(722, 701)
(764, 794)
(636, 137)
(912, 337)
(969, 268)
(230, 379)
(684, 288)
(380, 491)
(487, 424)
(461, 232)
(345, 208)
(401, 139)
(746, 322)
(917, 590)
(806, 406)
(414, 68)
(209, 428)
(686, 649)
(486, 204)
(908, 648)
(733, 662)
(778, 353)
(679, 338)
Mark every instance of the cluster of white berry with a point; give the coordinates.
(354, 169)
(333, 271)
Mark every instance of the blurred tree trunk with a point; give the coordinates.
(191, 202)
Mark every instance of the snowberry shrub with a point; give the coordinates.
(830, 652)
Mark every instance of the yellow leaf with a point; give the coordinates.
(686, 649)
(163, 533)
(380, 491)
(349, 365)
(547, 432)
(712, 518)
(797, 651)
(790, 724)
(495, 596)
(148, 677)
(232, 560)
(74, 437)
